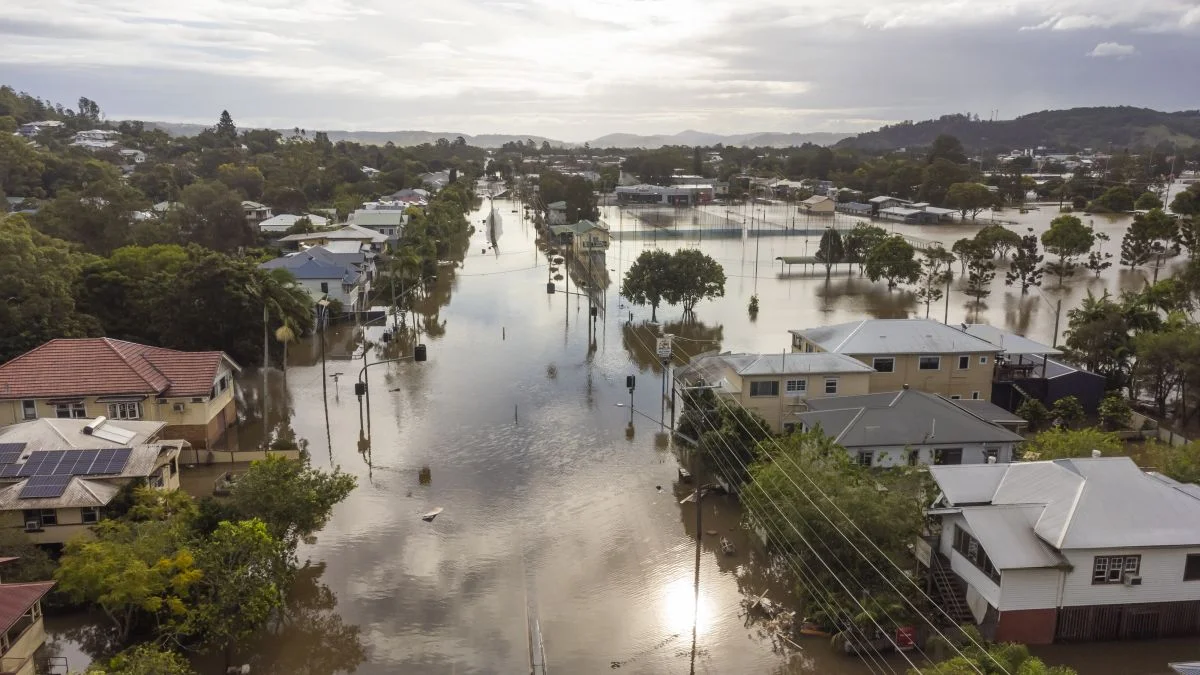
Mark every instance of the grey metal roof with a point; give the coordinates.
(907, 417)
(1188, 668)
(347, 232)
(794, 363)
(969, 483)
(1099, 502)
(989, 411)
(884, 198)
(1006, 533)
(379, 217)
(895, 336)
(1011, 343)
(49, 433)
(306, 266)
(581, 227)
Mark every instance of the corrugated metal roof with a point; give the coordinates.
(1099, 502)
(895, 336)
(1006, 533)
(1011, 343)
(969, 483)
(907, 417)
(49, 433)
(989, 411)
(799, 363)
(17, 599)
(1188, 668)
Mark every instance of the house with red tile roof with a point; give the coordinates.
(192, 392)
(21, 629)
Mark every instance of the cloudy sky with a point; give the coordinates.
(576, 69)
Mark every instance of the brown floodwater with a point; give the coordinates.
(556, 512)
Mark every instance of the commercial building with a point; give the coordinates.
(674, 195)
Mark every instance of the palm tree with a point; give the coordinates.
(280, 295)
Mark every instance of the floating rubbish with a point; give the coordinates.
(711, 533)
(658, 487)
(619, 405)
(425, 476)
(727, 547)
(428, 517)
(558, 277)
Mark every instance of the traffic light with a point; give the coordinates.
(630, 382)
(549, 288)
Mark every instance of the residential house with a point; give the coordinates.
(910, 427)
(818, 205)
(132, 155)
(386, 219)
(86, 378)
(435, 180)
(22, 632)
(96, 139)
(325, 274)
(411, 195)
(776, 386)
(32, 129)
(1030, 369)
(920, 354)
(585, 236)
(1066, 550)
(255, 212)
(369, 238)
(161, 208)
(284, 222)
(556, 213)
(370, 172)
(884, 202)
(57, 495)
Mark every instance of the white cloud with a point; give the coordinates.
(1112, 49)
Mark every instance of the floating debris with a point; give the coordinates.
(428, 517)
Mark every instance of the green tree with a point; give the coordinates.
(210, 214)
(1187, 202)
(997, 240)
(1098, 337)
(969, 198)
(1067, 412)
(37, 303)
(859, 242)
(1147, 201)
(1115, 413)
(893, 259)
(1180, 462)
(241, 585)
(581, 200)
(1098, 259)
(789, 496)
(1068, 238)
(1164, 360)
(1060, 443)
(97, 213)
(647, 280)
(939, 176)
(291, 497)
(132, 572)
(1118, 198)
(1149, 237)
(248, 181)
(693, 276)
(972, 658)
(21, 167)
(935, 275)
(981, 271)
(830, 252)
(32, 562)
(225, 130)
(144, 659)
(1187, 236)
(1035, 412)
(1026, 266)
(946, 147)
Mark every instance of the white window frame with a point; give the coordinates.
(983, 360)
(125, 410)
(964, 362)
(921, 362)
(865, 458)
(26, 405)
(75, 411)
(975, 396)
(796, 386)
(834, 382)
(875, 363)
(84, 512)
(1114, 568)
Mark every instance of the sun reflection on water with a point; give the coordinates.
(678, 605)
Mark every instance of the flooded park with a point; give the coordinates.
(562, 530)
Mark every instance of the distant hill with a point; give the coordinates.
(401, 138)
(693, 138)
(1122, 127)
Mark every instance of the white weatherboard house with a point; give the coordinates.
(1067, 550)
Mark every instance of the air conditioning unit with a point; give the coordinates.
(179, 407)
(1131, 579)
(160, 401)
(32, 526)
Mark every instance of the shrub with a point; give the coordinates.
(1034, 412)
(1068, 412)
(1115, 412)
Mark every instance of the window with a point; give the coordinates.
(914, 457)
(72, 410)
(89, 516)
(325, 287)
(1110, 569)
(131, 410)
(808, 348)
(974, 396)
(865, 457)
(970, 549)
(930, 363)
(831, 385)
(42, 517)
(990, 455)
(947, 456)
(789, 427)
(955, 397)
(29, 409)
(796, 386)
(1191, 568)
(983, 360)
(764, 388)
(884, 364)
(964, 362)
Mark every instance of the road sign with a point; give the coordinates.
(662, 346)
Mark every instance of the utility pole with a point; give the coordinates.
(946, 318)
(265, 395)
(1057, 314)
(631, 383)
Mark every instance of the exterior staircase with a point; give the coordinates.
(950, 592)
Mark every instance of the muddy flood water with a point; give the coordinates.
(559, 518)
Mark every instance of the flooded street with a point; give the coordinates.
(517, 425)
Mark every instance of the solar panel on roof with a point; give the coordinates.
(10, 470)
(112, 463)
(9, 456)
(44, 486)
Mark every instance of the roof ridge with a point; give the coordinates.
(852, 333)
(111, 344)
(853, 420)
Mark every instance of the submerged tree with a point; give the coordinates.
(1026, 266)
(830, 252)
(1068, 238)
(893, 259)
(647, 279)
(935, 276)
